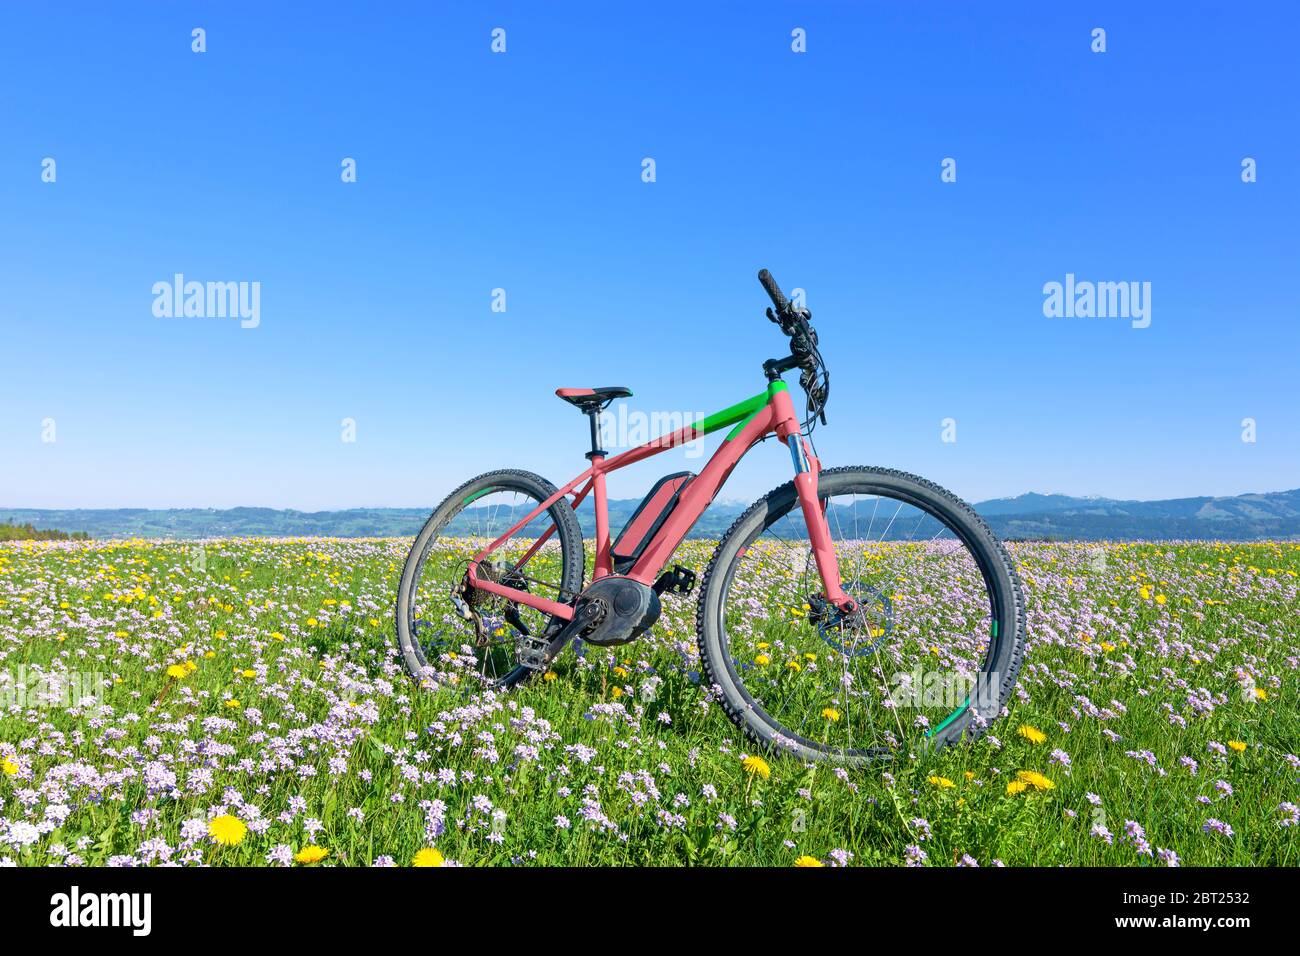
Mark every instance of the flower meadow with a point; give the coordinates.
(241, 702)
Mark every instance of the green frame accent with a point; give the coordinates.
(740, 425)
(739, 414)
(478, 494)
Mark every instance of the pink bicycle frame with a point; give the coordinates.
(754, 419)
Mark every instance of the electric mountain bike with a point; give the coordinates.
(846, 614)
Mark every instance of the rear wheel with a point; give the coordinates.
(930, 655)
(448, 632)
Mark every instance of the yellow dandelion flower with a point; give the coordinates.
(227, 830)
(232, 704)
(793, 666)
(808, 861)
(311, 854)
(1016, 786)
(756, 766)
(177, 672)
(943, 783)
(1237, 745)
(550, 675)
(1032, 734)
(1261, 693)
(831, 714)
(762, 660)
(9, 766)
(427, 857)
(620, 671)
(1035, 779)
(1145, 591)
(616, 692)
(249, 673)
(1161, 599)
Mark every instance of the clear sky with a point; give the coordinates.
(523, 171)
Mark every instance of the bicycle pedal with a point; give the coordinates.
(679, 580)
(533, 652)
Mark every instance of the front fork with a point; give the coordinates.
(806, 470)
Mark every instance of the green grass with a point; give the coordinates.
(329, 717)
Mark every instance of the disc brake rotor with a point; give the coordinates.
(859, 631)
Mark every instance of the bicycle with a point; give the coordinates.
(908, 628)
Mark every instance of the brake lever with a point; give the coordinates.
(817, 393)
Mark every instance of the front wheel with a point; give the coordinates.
(930, 654)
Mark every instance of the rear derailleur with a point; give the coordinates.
(471, 602)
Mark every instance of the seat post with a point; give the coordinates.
(596, 451)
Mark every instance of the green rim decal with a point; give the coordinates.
(965, 704)
(477, 494)
(950, 718)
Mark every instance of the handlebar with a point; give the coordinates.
(794, 322)
(792, 319)
(773, 290)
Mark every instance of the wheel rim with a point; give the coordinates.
(447, 642)
(910, 664)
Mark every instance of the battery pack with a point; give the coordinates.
(647, 519)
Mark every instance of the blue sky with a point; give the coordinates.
(522, 171)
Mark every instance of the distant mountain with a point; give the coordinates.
(1033, 503)
(1240, 518)
(230, 522)
(1028, 516)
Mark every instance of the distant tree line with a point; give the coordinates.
(27, 532)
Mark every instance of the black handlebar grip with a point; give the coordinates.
(773, 290)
